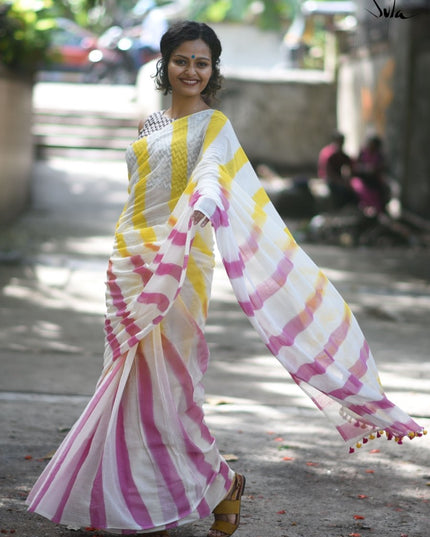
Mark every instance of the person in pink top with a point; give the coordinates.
(369, 181)
(334, 165)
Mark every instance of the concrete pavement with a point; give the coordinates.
(301, 481)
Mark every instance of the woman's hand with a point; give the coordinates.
(199, 218)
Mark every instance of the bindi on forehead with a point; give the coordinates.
(192, 56)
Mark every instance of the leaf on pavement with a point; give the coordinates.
(231, 457)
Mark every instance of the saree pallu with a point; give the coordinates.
(141, 456)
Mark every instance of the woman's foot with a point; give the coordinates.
(162, 533)
(227, 513)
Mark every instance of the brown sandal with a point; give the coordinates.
(162, 533)
(230, 506)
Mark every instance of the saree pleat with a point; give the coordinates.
(141, 456)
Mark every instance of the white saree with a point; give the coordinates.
(140, 457)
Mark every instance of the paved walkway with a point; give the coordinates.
(301, 481)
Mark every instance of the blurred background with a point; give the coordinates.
(76, 76)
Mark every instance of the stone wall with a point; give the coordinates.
(16, 152)
(365, 94)
(282, 119)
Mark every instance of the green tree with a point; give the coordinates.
(26, 26)
(24, 33)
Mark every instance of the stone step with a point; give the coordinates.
(79, 133)
(71, 132)
(76, 153)
(83, 141)
(83, 117)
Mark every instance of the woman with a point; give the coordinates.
(140, 458)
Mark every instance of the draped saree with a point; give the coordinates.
(141, 457)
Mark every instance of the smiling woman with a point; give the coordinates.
(189, 72)
(141, 458)
(207, 45)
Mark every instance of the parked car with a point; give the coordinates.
(70, 47)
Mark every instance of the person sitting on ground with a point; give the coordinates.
(369, 181)
(334, 165)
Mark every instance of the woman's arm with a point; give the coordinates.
(199, 218)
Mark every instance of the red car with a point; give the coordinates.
(71, 45)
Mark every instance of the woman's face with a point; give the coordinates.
(190, 68)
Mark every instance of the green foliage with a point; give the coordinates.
(269, 14)
(26, 26)
(24, 33)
